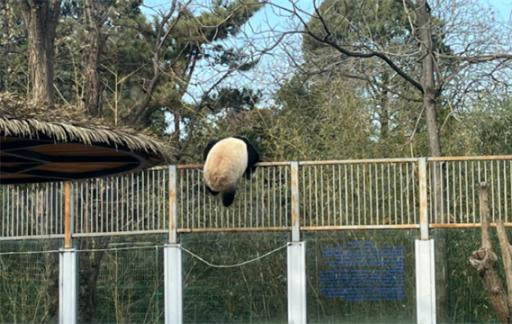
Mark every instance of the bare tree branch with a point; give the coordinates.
(477, 58)
(327, 39)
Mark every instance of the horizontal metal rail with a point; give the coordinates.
(358, 227)
(470, 158)
(332, 195)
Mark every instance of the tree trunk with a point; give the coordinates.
(94, 20)
(506, 254)
(6, 48)
(139, 116)
(51, 263)
(384, 112)
(90, 264)
(176, 136)
(424, 25)
(41, 18)
(484, 260)
(428, 77)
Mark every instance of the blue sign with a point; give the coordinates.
(361, 271)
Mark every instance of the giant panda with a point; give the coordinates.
(225, 162)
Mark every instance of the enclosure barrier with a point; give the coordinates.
(347, 194)
(409, 193)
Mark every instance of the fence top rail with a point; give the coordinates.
(193, 166)
(469, 158)
(261, 164)
(360, 161)
(319, 162)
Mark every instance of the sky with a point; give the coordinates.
(504, 8)
(260, 33)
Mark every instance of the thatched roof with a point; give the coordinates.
(21, 120)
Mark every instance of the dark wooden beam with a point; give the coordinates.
(81, 175)
(24, 144)
(45, 158)
(19, 168)
(6, 158)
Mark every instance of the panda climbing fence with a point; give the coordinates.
(313, 195)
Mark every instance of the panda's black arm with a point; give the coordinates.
(249, 171)
(253, 158)
(208, 148)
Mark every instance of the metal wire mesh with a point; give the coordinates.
(28, 281)
(130, 287)
(263, 202)
(358, 194)
(253, 293)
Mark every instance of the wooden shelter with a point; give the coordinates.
(39, 144)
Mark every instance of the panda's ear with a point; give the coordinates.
(208, 148)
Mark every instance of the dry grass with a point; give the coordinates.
(19, 117)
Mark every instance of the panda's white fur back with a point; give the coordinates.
(225, 164)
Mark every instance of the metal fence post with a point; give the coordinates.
(424, 254)
(173, 208)
(68, 269)
(422, 176)
(68, 217)
(296, 258)
(294, 170)
(173, 296)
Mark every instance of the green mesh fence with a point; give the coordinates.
(28, 282)
(467, 299)
(253, 293)
(129, 284)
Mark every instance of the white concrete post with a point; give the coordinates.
(297, 283)
(173, 289)
(425, 282)
(173, 284)
(425, 262)
(68, 286)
